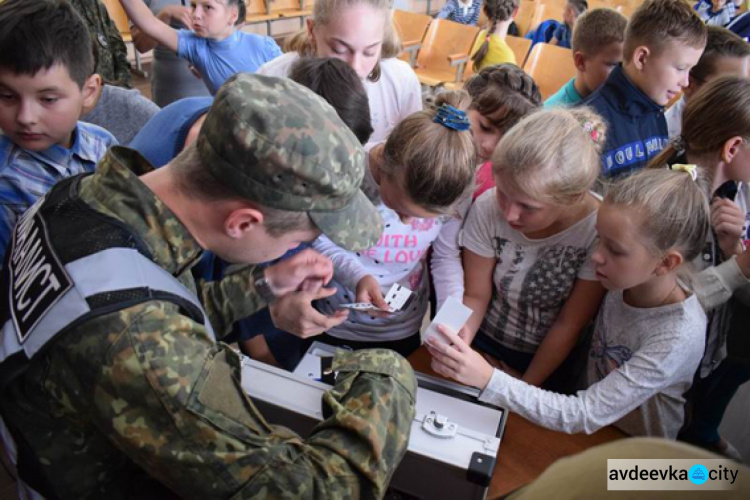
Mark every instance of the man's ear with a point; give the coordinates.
(241, 221)
(669, 262)
(580, 61)
(640, 56)
(91, 90)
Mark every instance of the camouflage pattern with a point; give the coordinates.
(140, 403)
(112, 55)
(281, 145)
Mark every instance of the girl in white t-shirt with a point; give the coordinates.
(425, 166)
(361, 33)
(648, 335)
(527, 244)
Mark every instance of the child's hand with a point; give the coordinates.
(368, 290)
(178, 14)
(728, 220)
(459, 361)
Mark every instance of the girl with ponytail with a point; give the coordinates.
(714, 142)
(490, 47)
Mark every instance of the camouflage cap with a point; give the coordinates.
(281, 145)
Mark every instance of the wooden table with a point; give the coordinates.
(526, 449)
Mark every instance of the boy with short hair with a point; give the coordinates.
(663, 41)
(597, 48)
(46, 68)
(726, 54)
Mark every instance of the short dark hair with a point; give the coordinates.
(195, 180)
(38, 34)
(596, 29)
(336, 82)
(721, 43)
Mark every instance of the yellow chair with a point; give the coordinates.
(550, 66)
(411, 28)
(524, 16)
(445, 52)
(601, 4)
(546, 11)
(520, 47)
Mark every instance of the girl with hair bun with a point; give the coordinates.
(425, 167)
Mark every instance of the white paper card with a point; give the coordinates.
(453, 315)
(396, 297)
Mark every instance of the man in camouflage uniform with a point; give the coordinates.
(139, 401)
(112, 55)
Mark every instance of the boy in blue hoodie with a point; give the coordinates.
(663, 41)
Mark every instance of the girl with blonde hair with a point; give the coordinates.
(361, 33)
(648, 335)
(527, 244)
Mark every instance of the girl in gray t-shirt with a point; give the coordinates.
(649, 334)
(527, 243)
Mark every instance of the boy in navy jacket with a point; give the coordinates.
(663, 40)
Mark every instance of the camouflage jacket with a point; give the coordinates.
(141, 403)
(112, 55)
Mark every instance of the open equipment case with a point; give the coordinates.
(454, 438)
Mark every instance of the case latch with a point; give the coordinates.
(439, 426)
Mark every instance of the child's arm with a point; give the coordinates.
(347, 269)
(447, 10)
(477, 290)
(578, 311)
(168, 15)
(651, 369)
(150, 25)
(445, 263)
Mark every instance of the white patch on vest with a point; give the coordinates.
(38, 279)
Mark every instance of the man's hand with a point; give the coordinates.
(295, 314)
(305, 271)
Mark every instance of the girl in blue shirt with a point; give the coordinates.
(214, 46)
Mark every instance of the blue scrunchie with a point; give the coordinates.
(453, 118)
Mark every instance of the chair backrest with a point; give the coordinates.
(119, 17)
(546, 11)
(255, 8)
(411, 27)
(443, 39)
(284, 5)
(524, 15)
(550, 66)
(626, 10)
(601, 4)
(520, 47)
